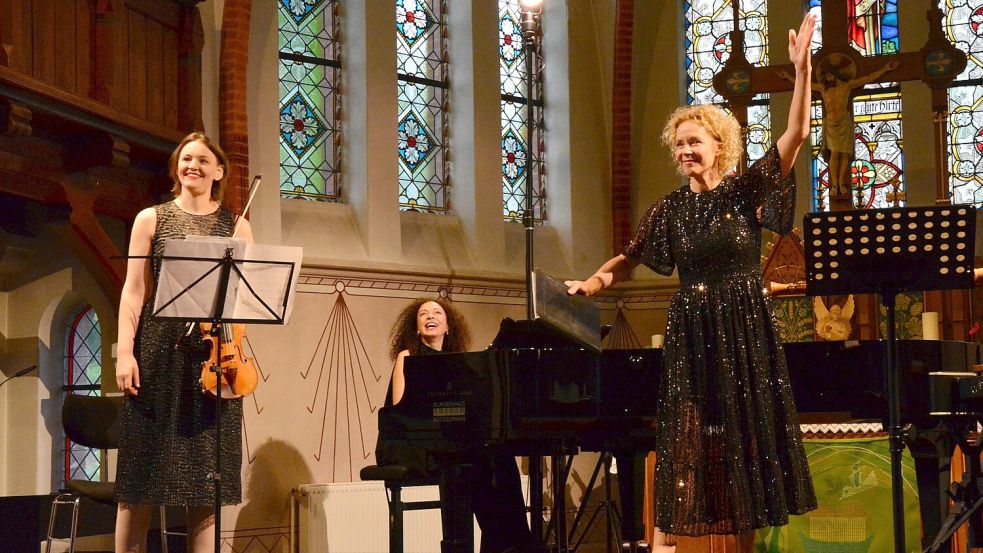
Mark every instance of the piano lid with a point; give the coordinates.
(575, 318)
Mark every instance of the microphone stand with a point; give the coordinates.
(18, 374)
(530, 30)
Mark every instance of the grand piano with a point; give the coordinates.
(545, 395)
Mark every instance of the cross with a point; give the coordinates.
(839, 74)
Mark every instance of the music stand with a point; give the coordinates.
(886, 252)
(221, 280)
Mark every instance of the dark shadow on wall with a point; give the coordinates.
(264, 520)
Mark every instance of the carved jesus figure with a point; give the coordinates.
(836, 76)
(835, 82)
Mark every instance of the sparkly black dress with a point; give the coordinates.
(167, 446)
(729, 453)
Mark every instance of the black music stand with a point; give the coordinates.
(886, 252)
(206, 279)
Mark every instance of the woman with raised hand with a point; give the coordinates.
(729, 450)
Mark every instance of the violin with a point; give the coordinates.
(239, 375)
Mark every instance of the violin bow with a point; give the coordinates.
(253, 187)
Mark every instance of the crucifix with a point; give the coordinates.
(839, 74)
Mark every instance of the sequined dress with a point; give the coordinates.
(729, 450)
(167, 445)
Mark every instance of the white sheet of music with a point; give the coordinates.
(270, 271)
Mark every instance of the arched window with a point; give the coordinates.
(708, 26)
(515, 102)
(965, 129)
(83, 376)
(421, 105)
(878, 169)
(310, 105)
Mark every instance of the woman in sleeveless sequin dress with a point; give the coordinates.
(167, 443)
(729, 449)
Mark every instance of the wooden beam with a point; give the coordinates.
(41, 97)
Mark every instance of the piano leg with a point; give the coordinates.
(456, 513)
(932, 451)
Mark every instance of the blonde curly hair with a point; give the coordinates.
(721, 126)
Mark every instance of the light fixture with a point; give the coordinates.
(530, 10)
(531, 6)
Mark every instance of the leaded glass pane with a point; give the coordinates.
(815, 8)
(514, 112)
(965, 132)
(872, 26)
(708, 47)
(421, 100)
(83, 375)
(758, 131)
(85, 365)
(962, 21)
(309, 106)
(707, 41)
(878, 168)
(84, 463)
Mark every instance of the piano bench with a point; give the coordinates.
(395, 478)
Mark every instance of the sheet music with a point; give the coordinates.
(188, 288)
(267, 280)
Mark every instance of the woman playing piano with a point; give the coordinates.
(729, 450)
(428, 327)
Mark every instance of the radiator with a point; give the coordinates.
(353, 518)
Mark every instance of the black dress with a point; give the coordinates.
(167, 444)
(729, 450)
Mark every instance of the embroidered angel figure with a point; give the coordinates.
(833, 323)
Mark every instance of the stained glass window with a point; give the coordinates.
(872, 26)
(877, 173)
(83, 376)
(962, 21)
(421, 105)
(708, 47)
(515, 114)
(310, 105)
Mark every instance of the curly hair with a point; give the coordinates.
(718, 123)
(218, 187)
(404, 333)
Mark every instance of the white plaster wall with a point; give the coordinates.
(30, 406)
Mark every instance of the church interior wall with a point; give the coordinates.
(313, 417)
(38, 316)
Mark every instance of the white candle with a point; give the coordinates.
(658, 340)
(930, 325)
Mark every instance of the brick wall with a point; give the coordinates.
(233, 119)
